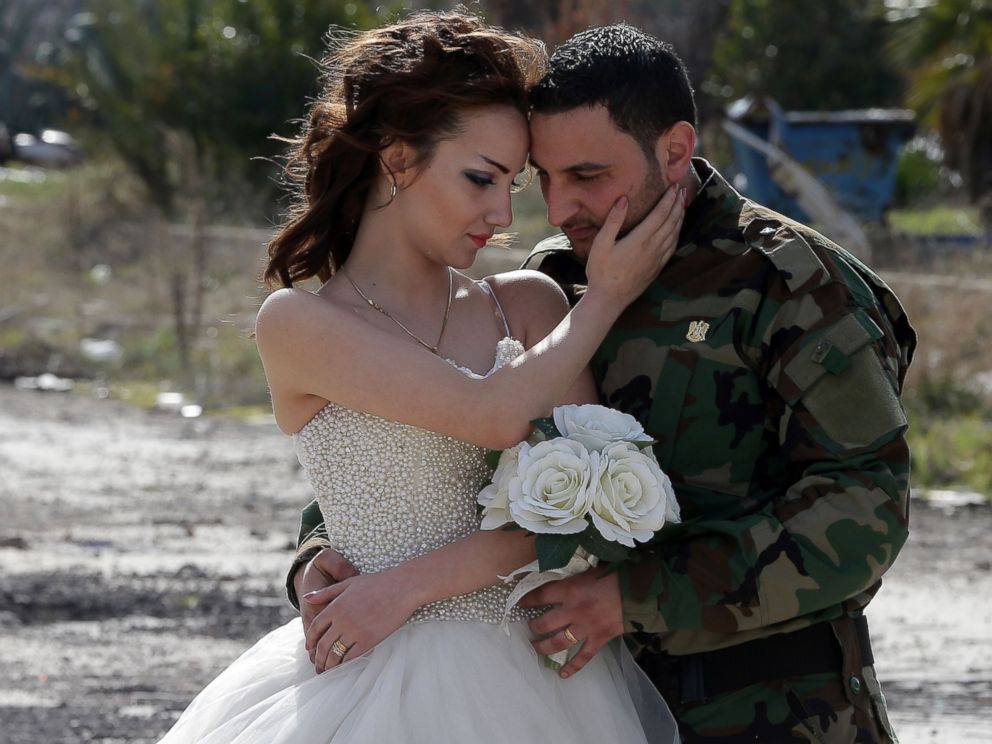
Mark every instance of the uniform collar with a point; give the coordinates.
(715, 200)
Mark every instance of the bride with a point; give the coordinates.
(394, 377)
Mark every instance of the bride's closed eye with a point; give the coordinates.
(480, 179)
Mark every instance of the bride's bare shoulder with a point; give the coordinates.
(527, 286)
(290, 313)
(532, 302)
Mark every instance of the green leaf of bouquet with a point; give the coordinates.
(492, 458)
(605, 550)
(550, 663)
(547, 427)
(644, 444)
(555, 551)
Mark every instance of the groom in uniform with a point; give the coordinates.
(767, 362)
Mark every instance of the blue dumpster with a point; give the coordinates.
(853, 153)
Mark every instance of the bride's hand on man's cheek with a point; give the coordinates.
(626, 266)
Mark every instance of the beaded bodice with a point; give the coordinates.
(390, 492)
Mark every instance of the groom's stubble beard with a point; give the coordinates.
(650, 193)
(643, 201)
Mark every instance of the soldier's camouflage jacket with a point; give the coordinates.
(768, 363)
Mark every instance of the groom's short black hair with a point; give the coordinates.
(639, 79)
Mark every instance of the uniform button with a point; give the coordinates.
(855, 684)
(821, 350)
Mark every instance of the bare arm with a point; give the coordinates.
(403, 383)
(365, 609)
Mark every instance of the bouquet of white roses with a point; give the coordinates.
(587, 485)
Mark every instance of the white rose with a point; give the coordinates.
(495, 497)
(673, 513)
(632, 498)
(551, 490)
(597, 426)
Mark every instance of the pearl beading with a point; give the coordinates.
(390, 492)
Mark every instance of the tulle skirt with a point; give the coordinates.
(431, 683)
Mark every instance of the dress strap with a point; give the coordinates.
(499, 308)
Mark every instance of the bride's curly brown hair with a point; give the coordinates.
(411, 81)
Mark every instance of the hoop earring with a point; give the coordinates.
(392, 189)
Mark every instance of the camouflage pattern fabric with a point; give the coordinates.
(312, 539)
(815, 708)
(768, 363)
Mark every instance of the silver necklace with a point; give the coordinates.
(376, 306)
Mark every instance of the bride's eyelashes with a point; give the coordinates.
(481, 180)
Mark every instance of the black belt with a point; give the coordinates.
(697, 678)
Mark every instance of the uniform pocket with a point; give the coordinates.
(708, 417)
(669, 398)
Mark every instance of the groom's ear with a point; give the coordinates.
(674, 150)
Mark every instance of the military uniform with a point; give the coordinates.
(767, 362)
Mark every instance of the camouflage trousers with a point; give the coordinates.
(818, 708)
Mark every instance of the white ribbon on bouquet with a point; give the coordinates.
(581, 560)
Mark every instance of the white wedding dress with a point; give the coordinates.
(390, 492)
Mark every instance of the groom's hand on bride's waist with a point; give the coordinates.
(322, 571)
(588, 606)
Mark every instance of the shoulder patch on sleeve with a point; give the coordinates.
(829, 352)
(842, 383)
(794, 258)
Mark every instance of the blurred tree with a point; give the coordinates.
(692, 28)
(947, 45)
(187, 92)
(820, 56)
(32, 84)
(556, 20)
(214, 76)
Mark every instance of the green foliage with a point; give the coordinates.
(952, 452)
(188, 91)
(946, 42)
(935, 220)
(555, 551)
(22, 187)
(934, 398)
(151, 356)
(32, 86)
(546, 426)
(950, 435)
(947, 49)
(606, 550)
(808, 56)
(917, 176)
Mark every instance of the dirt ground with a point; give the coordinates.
(140, 553)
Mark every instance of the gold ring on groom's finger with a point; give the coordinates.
(570, 636)
(339, 649)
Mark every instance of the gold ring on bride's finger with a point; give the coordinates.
(339, 649)
(570, 636)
